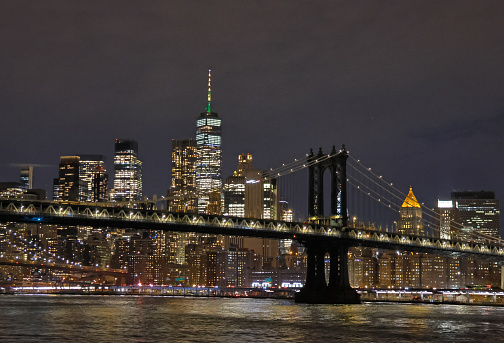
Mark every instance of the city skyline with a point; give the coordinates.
(420, 104)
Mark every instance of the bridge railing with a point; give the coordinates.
(38, 211)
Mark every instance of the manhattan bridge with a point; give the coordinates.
(322, 234)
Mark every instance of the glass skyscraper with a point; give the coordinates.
(127, 172)
(69, 187)
(478, 210)
(92, 171)
(209, 154)
(182, 195)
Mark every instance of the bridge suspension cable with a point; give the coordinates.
(298, 164)
(399, 196)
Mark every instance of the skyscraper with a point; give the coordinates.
(445, 220)
(92, 172)
(182, 196)
(69, 187)
(477, 210)
(209, 154)
(127, 172)
(26, 177)
(410, 217)
(234, 188)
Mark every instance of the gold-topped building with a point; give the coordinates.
(410, 216)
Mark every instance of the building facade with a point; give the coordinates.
(477, 210)
(182, 196)
(127, 172)
(209, 154)
(92, 171)
(68, 186)
(410, 217)
(234, 188)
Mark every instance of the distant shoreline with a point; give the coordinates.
(255, 296)
(432, 302)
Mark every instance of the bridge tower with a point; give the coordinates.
(336, 164)
(317, 290)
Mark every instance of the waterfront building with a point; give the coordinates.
(148, 270)
(201, 260)
(454, 274)
(362, 270)
(410, 217)
(434, 271)
(127, 172)
(386, 270)
(209, 153)
(233, 267)
(122, 249)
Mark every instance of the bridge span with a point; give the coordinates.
(89, 214)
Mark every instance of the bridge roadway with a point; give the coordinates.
(108, 215)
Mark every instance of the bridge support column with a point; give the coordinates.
(339, 290)
(316, 290)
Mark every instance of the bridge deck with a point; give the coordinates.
(89, 214)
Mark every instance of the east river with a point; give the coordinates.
(87, 318)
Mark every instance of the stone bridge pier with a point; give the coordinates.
(317, 290)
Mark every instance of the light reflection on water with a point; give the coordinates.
(161, 319)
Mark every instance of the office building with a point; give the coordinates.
(92, 171)
(410, 217)
(209, 154)
(127, 172)
(477, 210)
(69, 186)
(182, 196)
(446, 227)
(26, 177)
(234, 188)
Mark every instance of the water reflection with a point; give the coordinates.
(162, 319)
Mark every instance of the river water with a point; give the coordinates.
(67, 318)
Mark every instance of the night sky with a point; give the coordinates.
(414, 89)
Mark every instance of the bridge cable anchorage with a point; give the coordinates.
(400, 196)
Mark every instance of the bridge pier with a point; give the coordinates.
(316, 289)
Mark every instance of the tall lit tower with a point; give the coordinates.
(127, 172)
(209, 154)
(26, 177)
(410, 216)
(69, 187)
(182, 194)
(478, 210)
(92, 171)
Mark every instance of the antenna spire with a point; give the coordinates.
(209, 111)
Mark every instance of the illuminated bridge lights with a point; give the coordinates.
(45, 211)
